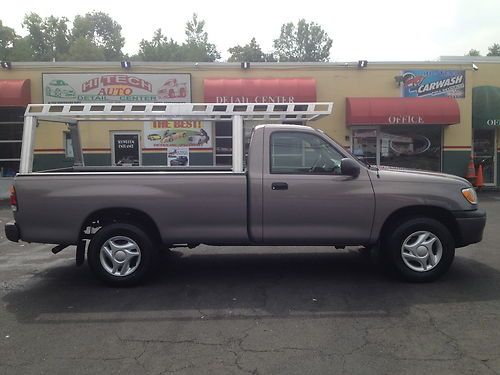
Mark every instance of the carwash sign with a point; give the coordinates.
(116, 88)
(435, 83)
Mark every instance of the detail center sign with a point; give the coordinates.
(116, 88)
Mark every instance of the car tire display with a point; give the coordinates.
(420, 249)
(121, 254)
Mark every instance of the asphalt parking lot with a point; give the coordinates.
(251, 310)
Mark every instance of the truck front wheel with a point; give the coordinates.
(419, 250)
(121, 254)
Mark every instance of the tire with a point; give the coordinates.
(418, 250)
(115, 266)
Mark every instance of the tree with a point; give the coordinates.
(83, 49)
(100, 29)
(494, 50)
(22, 50)
(7, 39)
(473, 52)
(304, 42)
(197, 47)
(160, 48)
(48, 37)
(249, 52)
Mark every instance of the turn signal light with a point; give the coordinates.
(13, 198)
(470, 195)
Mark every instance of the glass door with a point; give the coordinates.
(484, 153)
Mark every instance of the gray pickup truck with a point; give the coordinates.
(296, 186)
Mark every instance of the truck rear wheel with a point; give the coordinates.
(419, 250)
(121, 254)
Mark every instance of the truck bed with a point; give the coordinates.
(193, 206)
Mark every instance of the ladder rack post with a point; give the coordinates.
(26, 165)
(237, 144)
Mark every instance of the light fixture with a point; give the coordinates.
(6, 65)
(245, 65)
(126, 64)
(362, 64)
(475, 67)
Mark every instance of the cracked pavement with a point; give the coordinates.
(285, 310)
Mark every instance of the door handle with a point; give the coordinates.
(279, 186)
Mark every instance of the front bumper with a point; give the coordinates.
(12, 231)
(470, 226)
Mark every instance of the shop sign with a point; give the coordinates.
(435, 83)
(255, 99)
(126, 149)
(177, 133)
(411, 120)
(116, 88)
(493, 122)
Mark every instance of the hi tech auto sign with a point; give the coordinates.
(116, 88)
(435, 83)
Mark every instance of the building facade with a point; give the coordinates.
(424, 115)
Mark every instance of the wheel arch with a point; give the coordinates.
(440, 214)
(134, 216)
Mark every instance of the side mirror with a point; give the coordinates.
(349, 167)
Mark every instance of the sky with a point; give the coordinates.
(378, 30)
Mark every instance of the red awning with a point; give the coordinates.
(402, 111)
(15, 92)
(260, 90)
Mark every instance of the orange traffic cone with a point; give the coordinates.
(480, 179)
(471, 170)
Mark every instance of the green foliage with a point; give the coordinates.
(160, 48)
(494, 50)
(7, 38)
(249, 52)
(197, 47)
(48, 37)
(473, 52)
(305, 42)
(102, 31)
(22, 50)
(83, 49)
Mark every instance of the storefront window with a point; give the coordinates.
(414, 147)
(484, 153)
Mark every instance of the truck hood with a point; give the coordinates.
(416, 175)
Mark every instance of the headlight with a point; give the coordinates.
(470, 195)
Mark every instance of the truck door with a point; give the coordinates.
(306, 199)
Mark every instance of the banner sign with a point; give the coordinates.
(177, 133)
(436, 83)
(178, 156)
(126, 149)
(116, 88)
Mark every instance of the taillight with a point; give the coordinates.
(13, 199)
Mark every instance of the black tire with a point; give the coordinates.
(143, 264)
(395, 239)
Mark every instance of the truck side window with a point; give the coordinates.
(302, 153)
